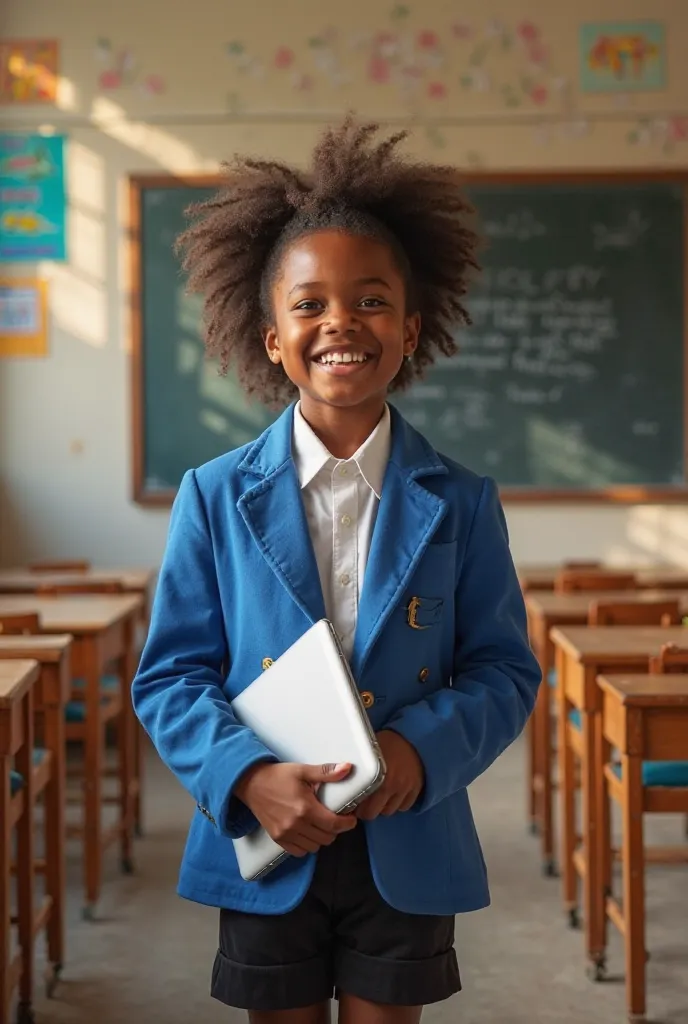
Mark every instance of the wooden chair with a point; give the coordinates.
(109, 683)
(634, 613)
(582, 566)
(50, 567)
(19, 624)
(17, 797)
(571, 581)
(647, 726)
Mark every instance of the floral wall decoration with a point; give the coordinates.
(120, 69)
(429, 67)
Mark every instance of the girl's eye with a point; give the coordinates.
(308, 304)
(371, 302)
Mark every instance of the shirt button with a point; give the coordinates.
(345, 579)
(343, 471)
(346, 520)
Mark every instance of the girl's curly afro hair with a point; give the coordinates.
(357, 184)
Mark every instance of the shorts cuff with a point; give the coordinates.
(397, 982)
(282, 987)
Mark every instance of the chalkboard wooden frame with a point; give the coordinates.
(629, 495)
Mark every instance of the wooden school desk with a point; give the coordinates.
(581, 654)
(17, 680)
(52, 690)
(645, 718)
(20, 580)
(103, 630)
(661, 577)
(546, 610)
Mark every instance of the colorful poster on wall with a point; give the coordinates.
(622, 56)
(23, 317)
(29, 70)
(32, 197)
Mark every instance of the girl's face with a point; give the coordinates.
(340, 329)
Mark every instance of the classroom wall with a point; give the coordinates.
(157, 85)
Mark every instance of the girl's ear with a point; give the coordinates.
(411, 333)
(272, 345)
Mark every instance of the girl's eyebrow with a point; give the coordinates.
(319, 284)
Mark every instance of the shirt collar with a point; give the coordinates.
(311, 455)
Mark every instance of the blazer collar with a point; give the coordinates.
(413, 456)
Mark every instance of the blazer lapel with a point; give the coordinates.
(274, 514)
(407, 519)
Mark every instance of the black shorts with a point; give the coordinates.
(343, 937)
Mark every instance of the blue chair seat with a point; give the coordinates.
(17, 780)
(575, 719)
(662, 773)
(552, 678)
(107, 682)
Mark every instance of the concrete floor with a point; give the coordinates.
(147, 958)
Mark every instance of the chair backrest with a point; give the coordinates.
(571, 581)
(24, 624)
(85, 587)
(634, 613)
(57, 567)
(671, 658)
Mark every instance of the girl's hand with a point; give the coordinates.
(283, 799)
(404, 780)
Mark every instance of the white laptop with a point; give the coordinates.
(306, 709)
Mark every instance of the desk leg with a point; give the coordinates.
(26, 865)
(55, 878)
(93, 782)
(545, 761)
(5, 898)
(126, 738)
(603, 753)
(633, 883)
(592, 887)
(567, 794)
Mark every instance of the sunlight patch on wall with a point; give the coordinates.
(85, 178)
(160, 146)
(77, 305)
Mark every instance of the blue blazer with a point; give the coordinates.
(239, 583)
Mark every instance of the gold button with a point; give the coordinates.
(367, 698)
(267, 662)
(424, 675)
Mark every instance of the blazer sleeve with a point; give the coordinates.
(177, 692)
(460, 730)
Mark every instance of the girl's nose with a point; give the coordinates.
(342, 321)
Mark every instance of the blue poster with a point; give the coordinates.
(32, 197)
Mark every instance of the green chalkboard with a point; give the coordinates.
(570, 383)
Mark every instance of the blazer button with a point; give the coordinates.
(267, 662)
(367, 698)
(424, 675)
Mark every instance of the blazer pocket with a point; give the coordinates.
(424, 612)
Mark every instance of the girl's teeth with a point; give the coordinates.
(343, 357)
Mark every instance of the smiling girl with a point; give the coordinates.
(336, 288)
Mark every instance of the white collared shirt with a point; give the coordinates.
(341, 499)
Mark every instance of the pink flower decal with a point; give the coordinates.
(678, 129)
(284, 58)
(437, 90)
(378, 70)
(527, 31)
(539, 94)
(384, 39)
(154, 84)
(537, 54)
(428, 40)
(110, 80)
